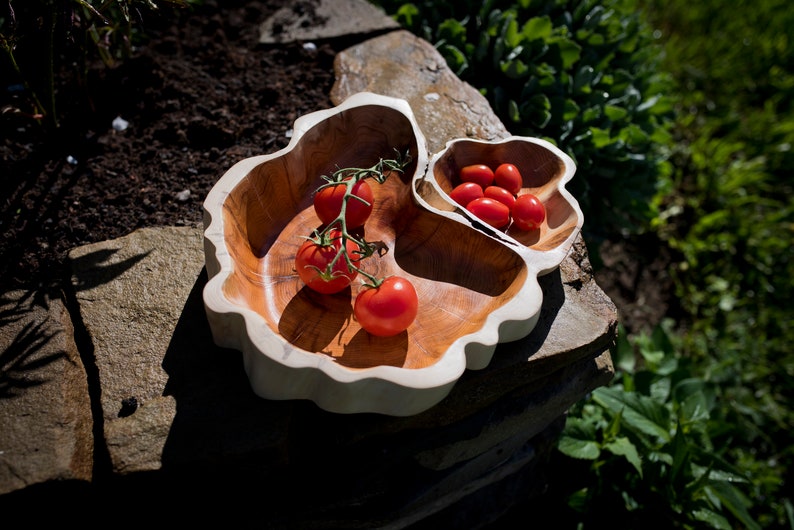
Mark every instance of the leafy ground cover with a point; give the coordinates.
(695, 429)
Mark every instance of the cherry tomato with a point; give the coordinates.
(328, 203)
(466, 192)
(490, 211)
(509, 177)
(388, 309)
(528, 212)
(477, 173)
(500, 194)
(312, 263)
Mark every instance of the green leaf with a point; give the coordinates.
(455, 58)
(570, 111)
(580, 449)
(538, 28)
(600, 137)
(570, 52)
(510, 33)
(623, 447)
(515, 69)
(513, 112)
(733, 499)
(578, 500)
(614, 112)
(639, 412)
(712, 518)
(578, 439)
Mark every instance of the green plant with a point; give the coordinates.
(581, 74)
(729, 213)
(39, 37)
(656, 446)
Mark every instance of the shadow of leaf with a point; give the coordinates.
(20, 361)
(96, 269)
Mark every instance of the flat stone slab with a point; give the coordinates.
(312, 21)
(45, 410)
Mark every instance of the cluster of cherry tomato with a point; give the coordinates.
(495, 197)
(328, 261)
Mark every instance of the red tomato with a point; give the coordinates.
(388, 309)
(312, 262)
(490, 211)
(528, 212)
(477, 173)
(464, 193)
(500, 194)
(509, 177)
(328, 203)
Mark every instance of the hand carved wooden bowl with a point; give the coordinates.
(475, 290)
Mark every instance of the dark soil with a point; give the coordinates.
(199, 95)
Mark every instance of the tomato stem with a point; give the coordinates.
(349, 177)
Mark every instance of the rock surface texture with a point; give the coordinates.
(128, 402)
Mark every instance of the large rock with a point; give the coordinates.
(401, 65)
(45, 410)
(324, 19)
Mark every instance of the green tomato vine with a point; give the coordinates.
(349, 177)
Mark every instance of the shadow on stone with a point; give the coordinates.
(101, 272)
(220, 424)
(23, 359)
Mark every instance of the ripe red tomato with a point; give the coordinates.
(388, 309)
(490, 211)
(500, 194)
(328, 203)
(312, 263)
(509, 177)
(528, 212)
(477, 173)
(466, 192)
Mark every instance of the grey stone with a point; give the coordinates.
(401, 65)
(324, 19)
(131, 292)
(45, 410)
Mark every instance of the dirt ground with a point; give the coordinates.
(200, 95)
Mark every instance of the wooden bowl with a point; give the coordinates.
(545, 170)
(475, 290)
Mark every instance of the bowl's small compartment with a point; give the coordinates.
(544, 169)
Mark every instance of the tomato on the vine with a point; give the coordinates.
(466, 192)
(328, 203)
(509, 177)
(528, 212)
(490, 211)
(500, 194)
(388, 309)
(313, 264)
(477, 173)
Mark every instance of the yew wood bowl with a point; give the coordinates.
(475, 290)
